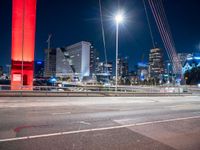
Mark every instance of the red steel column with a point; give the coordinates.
(23, 44)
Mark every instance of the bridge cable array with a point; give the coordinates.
(160, 17)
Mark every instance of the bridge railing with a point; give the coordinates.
(93, 90)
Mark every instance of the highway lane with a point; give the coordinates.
(100, 123)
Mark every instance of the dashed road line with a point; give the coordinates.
(61, 113)
(85, 123)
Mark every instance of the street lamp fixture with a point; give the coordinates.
(119, 19)
(168, 65)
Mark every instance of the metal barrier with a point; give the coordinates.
(96, 91)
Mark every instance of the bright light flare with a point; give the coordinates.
(119, 18)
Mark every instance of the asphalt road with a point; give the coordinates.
(100, 123)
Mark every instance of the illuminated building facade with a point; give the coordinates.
(103, 68)
(183, 57)
(156, 67)
(23, 44)
(104, 72)
(39, 69)
(122, 67)
(142, 70)
(94, 60)
(73, 61)
(192, 61)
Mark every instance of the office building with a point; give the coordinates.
(142, 71)
(122, 67)
(39, 69)
(103, 68)
(94, 60)
(73, 60)
(109, 68)
(183, 57)
(192, 61)
(50, 62)
(156, 67)
(104, 72)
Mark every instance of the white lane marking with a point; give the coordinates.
(121, 121)
(97, 129)
(86, 123)
(61, 113)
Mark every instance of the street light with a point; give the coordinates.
(168, 71)
(119, 19)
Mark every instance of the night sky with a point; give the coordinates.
(77, 20)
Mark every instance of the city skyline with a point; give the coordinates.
(99, 74)
(135, 41)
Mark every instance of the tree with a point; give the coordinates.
(192, 76)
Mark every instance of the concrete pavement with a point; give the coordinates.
(91, 123)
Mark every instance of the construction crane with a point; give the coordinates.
(48, 51)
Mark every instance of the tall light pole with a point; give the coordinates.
(118, 19)
(168, 71)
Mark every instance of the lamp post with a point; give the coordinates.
(118, 19)
(168, 71)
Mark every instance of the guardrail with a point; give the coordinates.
(94, 91)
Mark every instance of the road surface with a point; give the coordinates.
(100, 123)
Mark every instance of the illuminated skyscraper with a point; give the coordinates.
(93, 60)
(122, 67)
(142, 70)
(156, 67)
